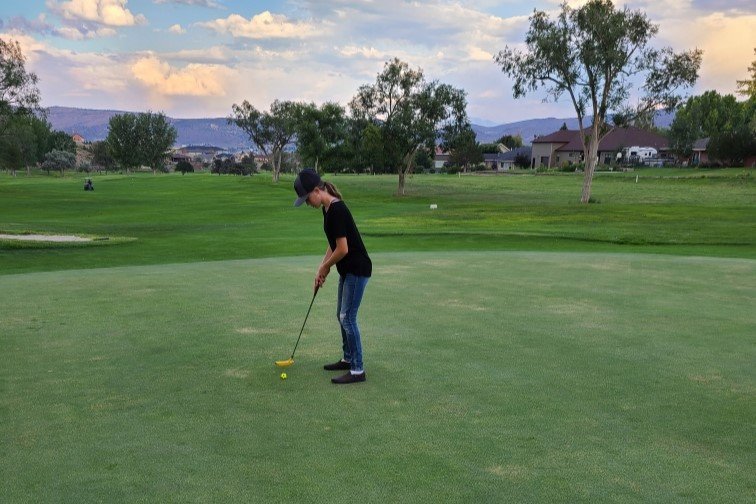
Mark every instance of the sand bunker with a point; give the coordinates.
(46, 238)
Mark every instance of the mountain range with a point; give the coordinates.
(93, 126)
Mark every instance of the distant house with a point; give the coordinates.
(78, 139)
(440, 158)
(699, 152)
(200, 153)
(564, 147)
(505, 161)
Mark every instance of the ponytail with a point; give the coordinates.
(331, 189)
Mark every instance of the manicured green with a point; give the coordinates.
(519, 347)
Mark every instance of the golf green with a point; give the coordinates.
(492, 377)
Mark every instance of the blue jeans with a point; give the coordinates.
(351, 289)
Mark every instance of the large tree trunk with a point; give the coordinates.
(400, 189)
(404, 170)
(590, 164)
(276, 166)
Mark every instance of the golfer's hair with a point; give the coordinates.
(331, 189)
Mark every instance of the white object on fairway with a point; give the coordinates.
(433, 206)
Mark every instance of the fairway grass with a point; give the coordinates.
(496, 376)
(174, 218)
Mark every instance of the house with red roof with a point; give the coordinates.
(564, 147)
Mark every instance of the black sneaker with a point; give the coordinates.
(337, 366)
(349, 378)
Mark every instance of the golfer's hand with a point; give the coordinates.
(320, 278)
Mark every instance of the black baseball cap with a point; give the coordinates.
(306, 182)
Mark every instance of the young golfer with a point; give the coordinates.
(347, 252)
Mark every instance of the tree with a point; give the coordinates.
(101, 155)
(248, 165)
(521, 160)
(140, 139)
(11, 157)
(19, 95)
(269, 131)
(465, 150)
(184, 167)
(220, 167)
(60, 140)
(513, 141)
(124, 139)
(703, 116)
(157, 135)
(747, 87)
(366, 146)
(410, 113)
(321, 132)
(593, 54)
(423, 160)
(733, 145)
(59, 160)
(25, 141)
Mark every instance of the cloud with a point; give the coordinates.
(361, 52)
(21, 24)
(177, 29)
(200, 3)
(478, 54)
(102, 12)
(261, 26)
(210, 55)
(192, 80)
(71, 33)
(727, 42)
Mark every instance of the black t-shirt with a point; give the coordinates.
(338, 223)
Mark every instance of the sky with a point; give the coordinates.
(195, 58)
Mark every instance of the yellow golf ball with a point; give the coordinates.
(283, 376)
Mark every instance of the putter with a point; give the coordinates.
(288, 362)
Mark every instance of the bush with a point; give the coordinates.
(479, 168)
(521, 161)
(184, 167)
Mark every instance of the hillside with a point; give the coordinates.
(532, 128)
(93, 126)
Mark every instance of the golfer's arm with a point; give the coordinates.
(327, 255)
(334, 256)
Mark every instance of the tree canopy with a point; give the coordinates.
(701, 117)
(140, 139)
(747, 87)
(593, 54)
(321, 134)
(19, 95)
(410, 114)
(269, 131)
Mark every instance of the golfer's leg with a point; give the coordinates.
(354, 288)
(344, 342)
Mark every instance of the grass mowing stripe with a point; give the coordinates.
(492, 376)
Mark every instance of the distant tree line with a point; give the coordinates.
(26, 138)
(392, 125)
(395, 124)
(729, 124)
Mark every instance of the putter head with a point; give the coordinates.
(284, 363)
